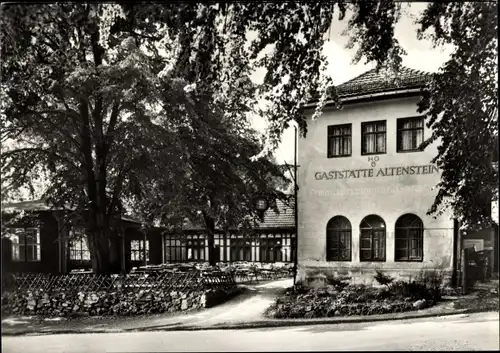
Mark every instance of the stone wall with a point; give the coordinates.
(317, 277)
(105, 303)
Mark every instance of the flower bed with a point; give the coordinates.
(342, 299)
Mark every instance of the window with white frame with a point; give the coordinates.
(25, 244)
(78, 246)
(410, 134)
(137, 250)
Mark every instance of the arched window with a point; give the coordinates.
(338, 239)
(372, 239)
(409, 238)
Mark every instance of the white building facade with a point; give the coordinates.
(365, 187)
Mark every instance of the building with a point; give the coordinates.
(273, 240)
(43, 243)
(365, 186)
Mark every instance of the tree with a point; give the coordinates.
(287, 42)
(462, 109)
(80, 111)
(92, 104)
(464, 121)
(98, 95)
(223, 179)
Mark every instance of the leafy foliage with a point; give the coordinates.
(148, 105)
(462, 108)
(382, 278)
(93, 105)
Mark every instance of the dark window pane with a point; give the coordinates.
(401, 243)
(365, 254)
(401, 254)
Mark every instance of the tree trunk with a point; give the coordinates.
(104, 247)
(210, 226)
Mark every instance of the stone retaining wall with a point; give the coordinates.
(104, 303)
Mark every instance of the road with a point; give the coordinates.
(459, 332)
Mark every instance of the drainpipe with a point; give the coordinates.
(456, 252)
(295, 188)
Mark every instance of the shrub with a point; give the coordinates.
(382, 278)
(434, 283)
(424, 287)
(339, 282)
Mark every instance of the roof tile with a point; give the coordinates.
(373, 81)
(381, 81)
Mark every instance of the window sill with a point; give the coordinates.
(409, 151)
(419, 260)
(25, 261)
(372, 154)
(372, 260)
(334, 260)
(340, 156)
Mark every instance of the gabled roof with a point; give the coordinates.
(382, 81)
(284, 218)
(373, 82)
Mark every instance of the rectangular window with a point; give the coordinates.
(196, 249)
(175, 249)
(241, 250)
(25, 244)
(372, 245)
(137, 250)
(78, 246)
(339, 140)
(408, 245)
(410, 134)
(271, 250)
(373, 137)
(339, 245)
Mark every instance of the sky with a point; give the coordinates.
(420, 56)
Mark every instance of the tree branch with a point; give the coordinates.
(40, 150)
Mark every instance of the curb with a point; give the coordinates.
(250, 325)
(306, 322)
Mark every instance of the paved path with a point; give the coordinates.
(459, 332)
(247, 307)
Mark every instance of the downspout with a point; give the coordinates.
(456, 253)
(295, 189)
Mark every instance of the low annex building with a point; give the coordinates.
(44, 244)
(365, 186)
